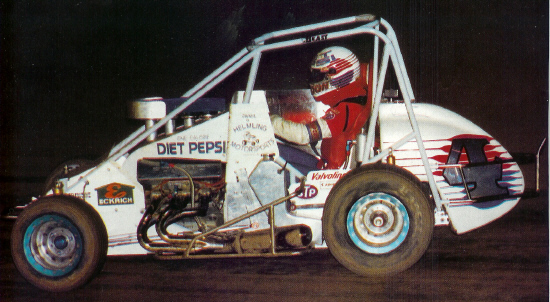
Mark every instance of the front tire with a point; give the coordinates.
(59, 243)
(378, 220)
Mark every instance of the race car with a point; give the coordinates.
(206, 177)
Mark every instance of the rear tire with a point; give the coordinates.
(59, 243)
(378, 220)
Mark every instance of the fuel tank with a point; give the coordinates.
(475, 175)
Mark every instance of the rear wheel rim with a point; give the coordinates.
(53, 245)
(378, 223)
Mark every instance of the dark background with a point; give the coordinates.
(69, 68)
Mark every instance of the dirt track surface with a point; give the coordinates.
(63, 73)
(504, 261)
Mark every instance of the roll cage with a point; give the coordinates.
(369, 25)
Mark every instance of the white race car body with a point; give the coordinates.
(206, 179)
(226, 140)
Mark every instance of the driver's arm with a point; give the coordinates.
(301, 134)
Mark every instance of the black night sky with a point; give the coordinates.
(68, 68)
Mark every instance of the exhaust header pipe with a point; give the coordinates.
(291, 237)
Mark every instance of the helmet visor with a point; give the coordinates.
(317, 75)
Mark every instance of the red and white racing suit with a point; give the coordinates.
(339, 125)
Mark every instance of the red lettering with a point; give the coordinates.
(113, 191)
(321, 176)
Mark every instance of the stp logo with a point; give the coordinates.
(310, 191)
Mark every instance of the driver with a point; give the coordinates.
(338, 80)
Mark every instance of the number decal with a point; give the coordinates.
(480, 176)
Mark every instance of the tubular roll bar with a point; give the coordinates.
(258, 46)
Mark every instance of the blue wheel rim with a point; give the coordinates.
(52, 245)
(378, 223)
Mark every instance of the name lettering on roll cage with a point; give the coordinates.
(316, 38)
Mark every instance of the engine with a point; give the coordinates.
(189, 193)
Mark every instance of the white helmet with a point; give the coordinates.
(332, 72)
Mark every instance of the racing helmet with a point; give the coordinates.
(335, 76)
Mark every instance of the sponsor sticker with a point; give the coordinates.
(310, 191)
(81, 195)
(332, 175)
(251, 137)
(115, 194)
(191, 147)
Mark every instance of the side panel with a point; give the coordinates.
(449, 140)
(252, 178)
(250, 136)
(317, 188)
(113, 190)
(119, 200)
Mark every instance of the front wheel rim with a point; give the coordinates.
(52, 245)
(378, 223)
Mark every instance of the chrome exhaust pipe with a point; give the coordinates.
(290, 237)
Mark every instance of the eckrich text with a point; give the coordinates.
(115, 194)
